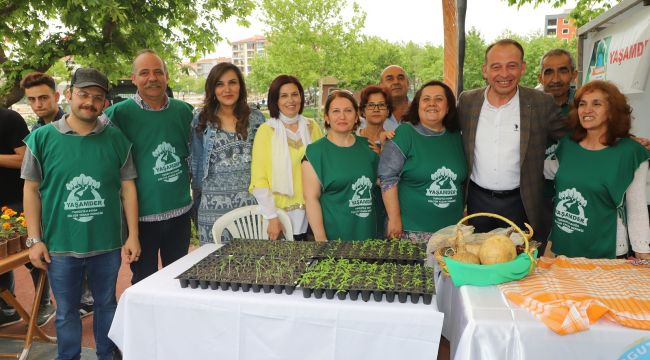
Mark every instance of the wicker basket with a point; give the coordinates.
(484, 275)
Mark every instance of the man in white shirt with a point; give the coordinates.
(505, 128)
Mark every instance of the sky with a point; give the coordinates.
(420, 21)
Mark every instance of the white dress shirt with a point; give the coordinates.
(496, 150)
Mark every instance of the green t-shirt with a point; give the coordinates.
(347, 176)
(80, 189)
(430, 188)
(160, 152)
(590, 191)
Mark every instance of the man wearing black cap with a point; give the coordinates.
(79, 174)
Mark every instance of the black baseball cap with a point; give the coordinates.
(85, 77)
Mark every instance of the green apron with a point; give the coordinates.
(80, 189)
(430, 189)
(551, 146)
(347, 176)
(590, 191)
(160, 152)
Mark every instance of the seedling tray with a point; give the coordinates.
(276, 249)
(370, 269)
(358, 279)
(379, 251)
(243, 273)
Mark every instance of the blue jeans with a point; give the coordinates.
(66, 276)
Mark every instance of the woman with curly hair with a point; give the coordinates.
(600, 176)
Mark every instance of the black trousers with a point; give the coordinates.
(171, 237)
(509, 206)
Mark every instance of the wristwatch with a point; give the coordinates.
(31, 241)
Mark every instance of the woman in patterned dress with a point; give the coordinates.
(222, 137)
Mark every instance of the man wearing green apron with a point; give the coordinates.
(79, 176)
(159, 128)
(557, 72)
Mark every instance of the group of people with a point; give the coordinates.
(101, 180)
(101, 185)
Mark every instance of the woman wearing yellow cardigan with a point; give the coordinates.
(278, 148)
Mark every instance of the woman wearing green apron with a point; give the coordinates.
(339, 172)
(376, 105)
(422, 169)
(600, 199)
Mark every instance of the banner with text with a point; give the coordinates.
(621, 54)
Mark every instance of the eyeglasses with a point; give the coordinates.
(85, 96)
(379, 106)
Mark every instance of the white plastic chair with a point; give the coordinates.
(248, 223)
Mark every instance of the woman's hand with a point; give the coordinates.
(642, 256)
(548, 252)
(374, 147)
(386, 135)
(274, 229)
(131, 249)
(394, 228)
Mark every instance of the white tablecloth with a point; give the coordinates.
(157, 319)
(480, 323)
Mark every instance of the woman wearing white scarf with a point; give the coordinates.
(278, 148)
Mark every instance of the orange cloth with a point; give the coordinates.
(568, 294)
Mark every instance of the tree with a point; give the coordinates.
(309, 39)
(423, 63)
(104, 34)
(378, 53)
(582, 13)
(474, 58)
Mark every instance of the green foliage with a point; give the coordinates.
(377, 54)
(421, 63)
(474, 58)
(60, 70)
(584, 11)
(104, 34)
(309, 39)
(189, 83)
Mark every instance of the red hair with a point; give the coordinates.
(619, 120)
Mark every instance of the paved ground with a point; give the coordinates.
(43, 351)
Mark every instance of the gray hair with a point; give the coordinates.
(152, 52)
(558, 52)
